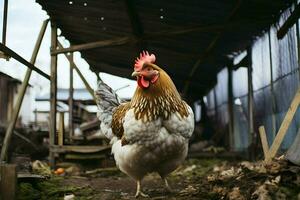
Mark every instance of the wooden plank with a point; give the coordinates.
(252, 134)
(284, 126)
(4, 24)
(264, 141)
(53, 92)
(79, 149)
(291, 20)
(61, 129)
(71, 98)
(74, 156)
(230, 107)
(273, 100)
(20, 59)
(8, 187)
(92, 45)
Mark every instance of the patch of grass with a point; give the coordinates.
(51, 189)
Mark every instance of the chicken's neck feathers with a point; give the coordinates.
(159, 100)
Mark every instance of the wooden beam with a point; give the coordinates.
(53, 93)
(92, 45)
(71, 99)
(130, 39)
(230, 106)
(209, 48)
(16, 110)
(290, 22)
(61, 129)
(252, 135)
(136, 25)
(79, 149)
(87, 85)
(284, 126)
(8, 187)
(19, 58)
(4, 25)
(264, 141)
(273, 100)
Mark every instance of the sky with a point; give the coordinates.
(25, 18)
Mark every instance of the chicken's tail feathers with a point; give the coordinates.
(107, 100)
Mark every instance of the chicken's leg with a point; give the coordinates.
(139, 190)
(169, 189)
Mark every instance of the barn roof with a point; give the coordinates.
(191, 39)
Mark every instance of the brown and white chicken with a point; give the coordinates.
(151, 132)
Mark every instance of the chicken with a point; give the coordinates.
(151, 132)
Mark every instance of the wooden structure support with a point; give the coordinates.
(273, 100)
(8, 184)
(16, 110)
(79, 149)
(87, 85)
(283, 128)
(4, 25)
(230, 106)
(210, 48)
(252, 134)
(61, 129)
(71, 99)
(264, 141)
(292, 19)
(132, 39)
(20, 59)
(53, 92)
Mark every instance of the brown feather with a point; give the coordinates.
(159, 100)
(118, 119)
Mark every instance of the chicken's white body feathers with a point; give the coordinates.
(154, 146)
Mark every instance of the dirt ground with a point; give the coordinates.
(196, 179)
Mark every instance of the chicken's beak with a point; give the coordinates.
(135, 73)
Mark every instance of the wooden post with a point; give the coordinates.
(87, 85)
(264, 141)
(53, 93)
(284, 126)
(252, 135)
(61, 129)
(273, 101)
(8, 187)
(20, 98)
(230, 107)
(71, 101)
(4, 25)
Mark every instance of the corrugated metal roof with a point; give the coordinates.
(179, 32)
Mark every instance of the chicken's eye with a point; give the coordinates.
(148, 69)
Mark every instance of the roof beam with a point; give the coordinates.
(292, 19)
(210, 47)
(130, 39)
(136, 25)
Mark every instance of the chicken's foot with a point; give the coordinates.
(139, 191)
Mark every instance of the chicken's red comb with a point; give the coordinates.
(144, 57)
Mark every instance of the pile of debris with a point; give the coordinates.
(278, 179)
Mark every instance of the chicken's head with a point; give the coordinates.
(145, 70)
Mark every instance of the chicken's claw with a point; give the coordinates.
(139, 192)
